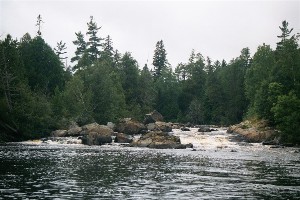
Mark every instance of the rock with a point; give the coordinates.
(204, 129)
(158, 140)
(111, 125)
(185, 129)
(59, 133)
(256, 131)
(74, 130)
(95, 134)
(276, 146)
(189, 145)
(123, 138)
(163, 126)
(152, 127)
(95, 127)
(176, 126)
(288, 144)
(159, 126)
(130, 127)
(94, 138)
(153, 117)
(272, 142)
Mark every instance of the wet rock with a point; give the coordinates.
(130, 127)
(163, 126)
(58, 133)
(189, 145)
(74, 130)
(185, 129)
(95, 134)
(204, 129)
(160, 126)
(94, 138)
(158, 140)
(153, 117)
(257, 131)
(123, 138)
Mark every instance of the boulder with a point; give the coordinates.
(153, 117)
(256, 131)
(123, 138)
(160, 126)
(185, 129)
(130, 127)
(74, 130)
(95, 134)
(95, 127)
(59, 133)
(158, 140)
(94, 138)
(204, 129)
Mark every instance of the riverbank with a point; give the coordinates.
(256, 131)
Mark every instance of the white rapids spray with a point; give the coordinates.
(218, 139)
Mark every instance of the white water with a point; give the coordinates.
(208, 140)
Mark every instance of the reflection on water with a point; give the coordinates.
(112, 172)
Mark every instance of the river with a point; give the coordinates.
(217, 168)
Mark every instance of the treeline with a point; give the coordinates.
(38, 93)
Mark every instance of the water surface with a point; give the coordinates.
(218, 169)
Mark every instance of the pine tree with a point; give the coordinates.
(60, 51)
(160, 61)
(94, 41)
(81, 47)
(108, 49)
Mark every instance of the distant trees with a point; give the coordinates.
(38, 94)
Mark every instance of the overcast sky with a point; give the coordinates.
(218, 29)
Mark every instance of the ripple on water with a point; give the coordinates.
(112, 172)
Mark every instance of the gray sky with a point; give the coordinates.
(218, 29)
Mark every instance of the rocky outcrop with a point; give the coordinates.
(160, 126)
(130, 127)
(158, 140)
(153, 117)
(255, 131)
(95, 134)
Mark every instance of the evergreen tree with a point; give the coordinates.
(108, 49)
(81, 48)
(60, 51)
(146, 91)
(160, 61)
(94, 41)
(43, 67)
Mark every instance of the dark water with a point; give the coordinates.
(46, 171)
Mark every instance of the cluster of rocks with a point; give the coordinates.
(155, 133)
(256, 132)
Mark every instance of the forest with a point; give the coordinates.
(39, 93)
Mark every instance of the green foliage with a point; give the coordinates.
(38, 96)
(160, 61)
(44, 70)
(287, 116)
